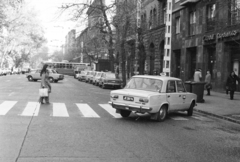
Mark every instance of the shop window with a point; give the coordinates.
(177, 25)
(211, 16)
(235, 12)
(192, 23)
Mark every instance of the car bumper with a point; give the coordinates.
(112, 84)
(120, 106)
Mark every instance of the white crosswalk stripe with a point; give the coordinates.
(60, 110)
(110, 110)
(6, 106)
(87, 111)
(32, 109)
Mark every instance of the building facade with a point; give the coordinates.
(205, 34)
(153, 26)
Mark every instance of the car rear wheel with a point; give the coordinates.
(162, 113)
(190, 110)
(30, 78)
(125, 113)
(51, 79)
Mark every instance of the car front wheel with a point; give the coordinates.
(162, 114)
(125, 113)
(190, 110)
(30, 78)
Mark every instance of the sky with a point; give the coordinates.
(56, 28)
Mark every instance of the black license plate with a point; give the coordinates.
(127, 98)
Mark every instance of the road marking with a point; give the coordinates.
(110, 110)
(6, 106)
(32, 109)
(60, 110)
(178, 118)
(87, 111)
(7, 80)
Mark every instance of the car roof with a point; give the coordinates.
(156, 77)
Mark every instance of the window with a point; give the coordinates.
(145, 84)
(150, 19)
(180, 87)
(211, 13)
(171, 87)
(177, 25)
(167, 66)
(154, 17)
(235, 11)
(164, 13)
(192, 23)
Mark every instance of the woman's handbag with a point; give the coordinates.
(43, 92)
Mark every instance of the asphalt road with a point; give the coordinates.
(61, 132)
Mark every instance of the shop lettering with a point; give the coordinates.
(227, 34)
(209, 37)
(220, 35)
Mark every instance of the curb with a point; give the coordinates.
(218, 116)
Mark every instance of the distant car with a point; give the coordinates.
(154, 95)
(89, 76)
(34, 75)
(109, 80)
(97, 77)
(82, 76)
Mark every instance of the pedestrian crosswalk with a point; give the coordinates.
(84, 110)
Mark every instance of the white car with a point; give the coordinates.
(34, 75)
(96, 78)
(155, 95)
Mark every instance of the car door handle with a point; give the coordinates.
(169, 96)
(180, 95)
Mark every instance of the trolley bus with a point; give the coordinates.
(68, 68)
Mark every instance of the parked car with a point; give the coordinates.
(82, 76)
(97, 77)
(34, 75)
(109, 79)
(154, 95)
(89, 76)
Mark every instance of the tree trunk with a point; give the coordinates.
(123, 62)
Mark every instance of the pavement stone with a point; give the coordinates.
(219, 105)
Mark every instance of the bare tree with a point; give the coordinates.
(104, 28)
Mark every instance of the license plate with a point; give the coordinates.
(127, 98)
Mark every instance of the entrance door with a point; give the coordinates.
(192, 61)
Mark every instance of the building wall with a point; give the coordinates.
(213, 47)
(153, 35)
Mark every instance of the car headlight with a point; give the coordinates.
(145, 100)
(114, 96)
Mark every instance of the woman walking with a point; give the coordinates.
(208, 85)
(45, 83)
(231, 83)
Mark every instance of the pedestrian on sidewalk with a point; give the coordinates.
(208, 84)
(231, 84)
(45, 83)
(197, 75)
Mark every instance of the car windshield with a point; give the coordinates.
(83, 72)
(98, 74)
(110, 76)
(145, 84)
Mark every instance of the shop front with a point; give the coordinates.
(221, 55)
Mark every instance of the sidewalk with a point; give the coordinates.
(219, 105)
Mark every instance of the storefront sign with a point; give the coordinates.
(227, 34)
(209, 37)
(220, 35)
